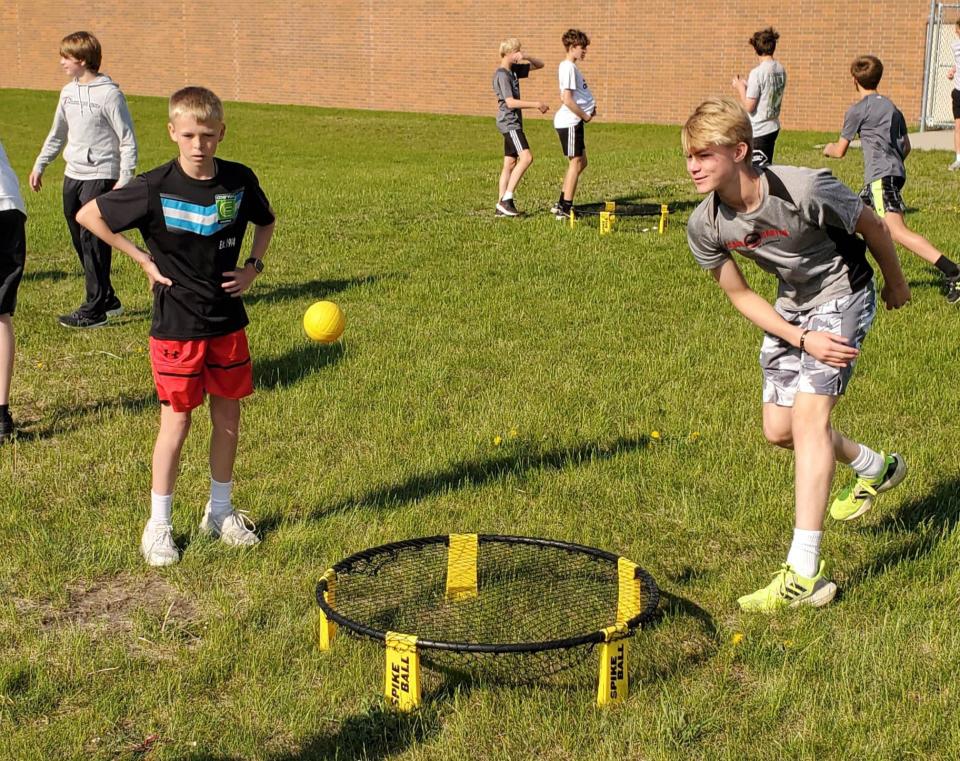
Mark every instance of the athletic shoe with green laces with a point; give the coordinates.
(789, 590)
(855, 499)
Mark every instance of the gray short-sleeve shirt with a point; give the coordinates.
(802, 232)
(506, 84)
(766, 83)
(883, 136)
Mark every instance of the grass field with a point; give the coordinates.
(495, 376)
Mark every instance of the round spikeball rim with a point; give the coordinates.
(652, 597)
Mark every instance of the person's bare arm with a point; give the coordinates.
(836, 150)
(895, 292)
(241, 279)
(567, 97)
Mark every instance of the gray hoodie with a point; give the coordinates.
(94, 121)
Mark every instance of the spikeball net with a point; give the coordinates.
(504, 608)
(610, 211)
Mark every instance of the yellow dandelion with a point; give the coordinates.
(39, 364)
(497, 440)
(655, 435)
(695, 435)
(737, 638)
(513, 433)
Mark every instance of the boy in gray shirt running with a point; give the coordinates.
(517, 158)
(883, 136)
(761, 94)
(799, 225)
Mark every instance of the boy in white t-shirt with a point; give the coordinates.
(13, 249)
(761, 95)
(955, 98)
(578, 108)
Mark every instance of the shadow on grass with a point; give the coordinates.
(61, 420)
(920, 525)
(314, 289)
(683, 636)
(304, 359)
(469, 473)
(36, 275)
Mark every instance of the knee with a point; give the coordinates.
(526, 158)
(509, 163)
(225, 415)
(778, 436)
(175, 425)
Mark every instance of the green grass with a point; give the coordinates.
(462, 328)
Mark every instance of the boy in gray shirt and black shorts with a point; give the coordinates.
(761, 94)
(800, 225)
(517, 158)
(883, 136)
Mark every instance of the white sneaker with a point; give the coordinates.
(235, 528)
(157, 545)
(954, 166)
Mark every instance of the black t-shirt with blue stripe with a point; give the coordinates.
(194, 230)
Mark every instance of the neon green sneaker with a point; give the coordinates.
(854, 500)
(788, 590)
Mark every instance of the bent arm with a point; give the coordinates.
(895, 291)
(517, 103)
(89, 217)
(535, 63)
(567, 98)
(836, 150)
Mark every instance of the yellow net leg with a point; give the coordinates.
(573, 218)
(326, 629)
(664, 211)
(606, 222)
(613, 685)
(462, 567)
(402, 677)
(610, 206)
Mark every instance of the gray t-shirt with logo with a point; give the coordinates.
(506, 84)
(883, 136)
(766, 83)
(802, 232)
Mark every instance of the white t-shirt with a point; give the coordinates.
(10, 197)
(956, 62)
(572, 79)
(766, 83)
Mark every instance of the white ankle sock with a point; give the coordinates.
(804, 555)
(507, 196)
(868, 463)
(958, 157)
(220, 497)
(161, 509)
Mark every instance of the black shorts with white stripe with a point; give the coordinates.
(571, 140)
(514, 143)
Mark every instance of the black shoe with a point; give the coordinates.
(953, 290)
(114, 307)
(80, 320)
(507, 208)
(557, 205)
(563, 212)
(6, 428)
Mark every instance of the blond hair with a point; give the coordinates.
(509, 46)
(716, 121)
(82, 46)
(199, 102)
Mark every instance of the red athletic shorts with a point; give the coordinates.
(184, 371)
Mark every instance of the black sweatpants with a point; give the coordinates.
(95, 255)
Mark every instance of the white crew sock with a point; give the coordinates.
(161, 509)
(220, 497)
(868, 464)
(958, 157)
(804, 555)
(507, 196)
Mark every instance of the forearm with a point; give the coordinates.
(261, 240)
(535, 63)
(759, 311)
(516, 103)
(881, 246)
(90, 218)
(53, 144)
(570, 103)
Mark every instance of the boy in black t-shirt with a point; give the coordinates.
(192, 213)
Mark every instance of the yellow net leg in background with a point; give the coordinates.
(462, 567)
(402, 677)
(664, 211)
(610, 206)
(606, 222)
(326, 628)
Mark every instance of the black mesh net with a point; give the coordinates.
(620, 210)
(527, 594)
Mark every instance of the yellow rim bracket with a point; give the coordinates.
(664, 211)
(628, 591)
(326, 628)
(610, 206)
(613, 685)
(461, 567)
(402, 677)
(606, 222)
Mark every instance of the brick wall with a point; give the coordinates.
(649, 61)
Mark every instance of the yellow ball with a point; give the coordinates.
(324, 322)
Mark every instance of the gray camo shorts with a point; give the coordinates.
(787, 370)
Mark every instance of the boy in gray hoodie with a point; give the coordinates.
(93, 120)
